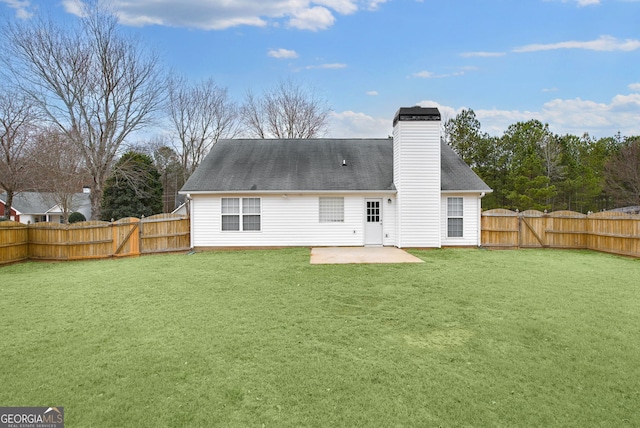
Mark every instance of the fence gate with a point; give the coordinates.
(126, 239)
(533, 228)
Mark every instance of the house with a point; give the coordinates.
(411, 190)
(35, 207)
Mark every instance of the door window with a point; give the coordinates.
(373, 211)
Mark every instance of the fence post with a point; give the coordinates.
(114, 238)
(140, 234)
(519, 214)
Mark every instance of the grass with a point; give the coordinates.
(264, 339)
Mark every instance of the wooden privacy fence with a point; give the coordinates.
(93, 239)
(611, 232)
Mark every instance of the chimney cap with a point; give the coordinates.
(416, 113)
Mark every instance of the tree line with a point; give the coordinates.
(73, 93)
(529, 167)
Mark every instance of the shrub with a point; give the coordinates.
(76, 217)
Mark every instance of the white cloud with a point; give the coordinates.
(572, 116)
(313, 15)
(344, 7)
(482, 54)
(21, 7)
(635, 87)
(282, 53)
(564, 116)
(582, 3)
(74, 7)
(495, 121)
(431, 75)
(314, 19)
(424, 74)
(310, 15)
(374, 4)
(603, 43)
(210, 15)
(372, 93)
(349, 124)
(332, 66)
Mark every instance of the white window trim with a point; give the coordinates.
(456, 216)
(240, 214)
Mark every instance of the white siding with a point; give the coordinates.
(388, 220)
(471, 220)
(27, 219)
(416, 154)
(287, 221)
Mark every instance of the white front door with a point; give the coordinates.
(373, 222)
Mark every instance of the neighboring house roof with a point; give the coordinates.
(41, 202)
(314, 165)
(628, 210)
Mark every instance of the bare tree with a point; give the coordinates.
(96, 85)
(59, 170)
(286, 111)
(17, 123)
(168, 164)
(551, 153)
(201, 114)
(622, 173)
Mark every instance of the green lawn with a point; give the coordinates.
(264, 339)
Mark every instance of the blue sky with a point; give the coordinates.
(574, 64)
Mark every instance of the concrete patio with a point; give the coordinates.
(347, 255)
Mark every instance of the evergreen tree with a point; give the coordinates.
(462, 133)
(133, 189)
(531, 168)
(528, 178)
(583, 158)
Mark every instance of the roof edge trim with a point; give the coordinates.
(467, 191)
(288, 192)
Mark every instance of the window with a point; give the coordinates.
(331, 210)
(373, 211)
(250, 213)
(234, 209)
(230, 214)
(454, 217)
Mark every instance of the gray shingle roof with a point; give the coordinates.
(290, 164)
(40, 202)
(456, 175)
(313, 165)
